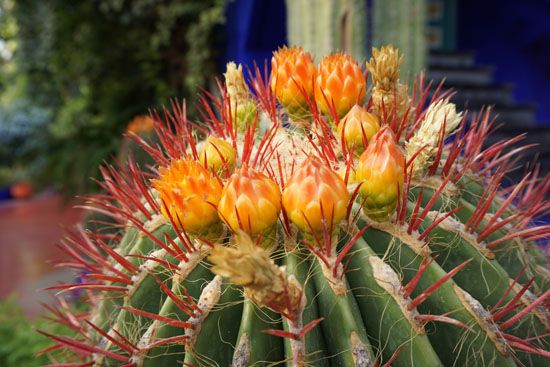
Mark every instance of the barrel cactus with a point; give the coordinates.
(313, 220)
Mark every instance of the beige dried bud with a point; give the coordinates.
(389, 97)
(236, 86)
(239, 96)
(428, 134)
(249, 266)
(384, 67)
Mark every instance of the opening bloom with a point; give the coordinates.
(315, 196)
(426, 139)
(190, 194)
(339, 82)
(381, 173)
(250, 202)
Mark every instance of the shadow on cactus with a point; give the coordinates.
(312, 220)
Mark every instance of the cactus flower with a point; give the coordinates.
(339, 82)
(389, 97)
(381, 173)
(385, 67)
(242, 105)
(251, 267)
(358, 127)
(426, 138)
(190, 194)
(315, 195)
(292, 76)
(217, 154)
(250, 201)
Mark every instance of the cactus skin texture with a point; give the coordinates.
(310, 254)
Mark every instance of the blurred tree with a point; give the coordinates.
(93, 65)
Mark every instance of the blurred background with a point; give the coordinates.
(75, 75)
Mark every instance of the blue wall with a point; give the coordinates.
(254, 30)
(514, 36)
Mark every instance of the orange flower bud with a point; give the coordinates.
(292, 75)
(315, 195)
(190, 194)
(339, 82)
(381, 173)
(217, 154)
(358, 127)
(250, 201)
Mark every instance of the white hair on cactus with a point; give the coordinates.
(427, 135)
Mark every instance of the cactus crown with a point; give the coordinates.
(264, 237)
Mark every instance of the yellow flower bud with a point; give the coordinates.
(312, 186)
(217, 154)
(250, 201)
(292, 78)
(381, 173)
(190, 194)
(350, 172)
(339, 82)
(358, 127)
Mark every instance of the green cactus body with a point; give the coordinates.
(300, 275)
(325, 26)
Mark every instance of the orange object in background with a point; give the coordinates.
(21, 190)
(140, 124)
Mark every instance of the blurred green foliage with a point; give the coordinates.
(90, 66)
(19, 340)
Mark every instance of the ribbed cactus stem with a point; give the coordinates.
(325, 26)
(418, 33)
(354, 41)
(402, 23)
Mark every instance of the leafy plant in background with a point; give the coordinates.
(19, 341)
(94, 65)
(20, 122)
